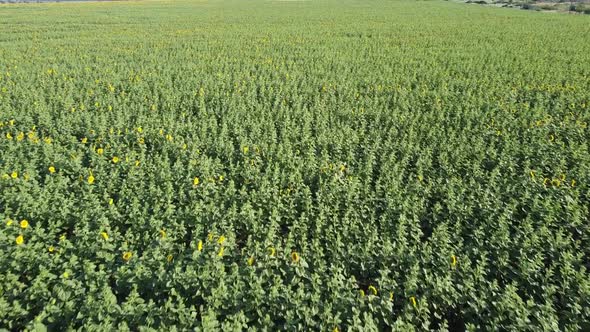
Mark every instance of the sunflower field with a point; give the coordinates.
(293, 165)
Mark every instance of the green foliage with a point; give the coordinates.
(293, 165)
(548, 7)
(581, 8)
